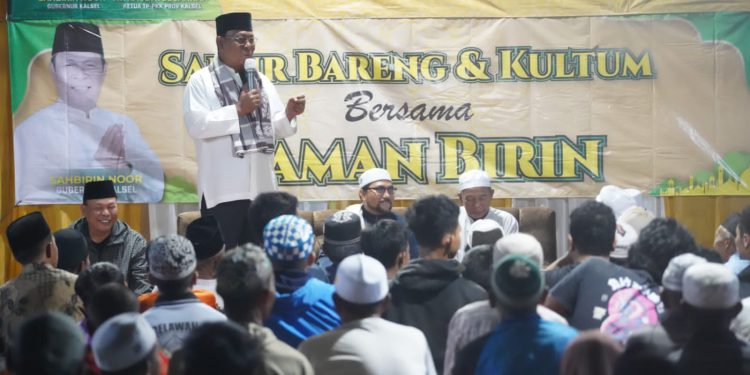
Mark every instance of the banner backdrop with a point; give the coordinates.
(549, 107)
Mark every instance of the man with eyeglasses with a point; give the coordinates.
(75, 137)
(234, 119)
(475, 195)
(376, 192)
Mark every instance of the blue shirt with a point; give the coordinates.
(305, 312)
(525, 345)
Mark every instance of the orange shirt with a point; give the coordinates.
(148, 300)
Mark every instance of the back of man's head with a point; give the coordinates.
(108, 301)
(592, 229)
(242, 277)
(223, 348)
(28, 237)
(171, 263)
(124, 344)
(342, 235)
(432, 217)
(476, 261)
(712, 291)
(72, 249)
(288, 242)
(520, 244)
(385, 241)
(517, 284)
(660, 241)
(95, 276)
(361, 287)
(266, 207)
(50, 343)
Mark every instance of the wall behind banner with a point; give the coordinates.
(701, 215)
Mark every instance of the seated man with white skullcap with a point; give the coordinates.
(711, 299)
(177, 310)
(475, 194)
(376, 192)
(126, 344)
(366, 343)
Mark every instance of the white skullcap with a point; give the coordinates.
(710, 286)
(485, 229)
(618, 199)
(171, 257)
(122, 341)
(637, 217)
(625, 236)
(473, 178)
(372, 175)
(521, 244)
(361, 279)
(672, 278)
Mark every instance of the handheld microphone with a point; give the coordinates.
(250, 72)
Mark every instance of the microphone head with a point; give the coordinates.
(250, 64)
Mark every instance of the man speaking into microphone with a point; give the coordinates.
(234, 114)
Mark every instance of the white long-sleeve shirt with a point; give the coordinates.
(221, 176)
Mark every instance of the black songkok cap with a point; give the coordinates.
(77, 37)
(27, 231)
(72, 249)
(99, 190)
(233, 21)
(205, 236)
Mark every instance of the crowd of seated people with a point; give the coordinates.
(443, 289)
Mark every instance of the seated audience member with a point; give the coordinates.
(40, 286)
(637, 217)
(590, 353)
(126, 344)
(304, 305)
(110, 239)
(388, 242)
(88, 282)
(72, 250)
(266, 207)
(246, 282)
(48, 344)
(376, 192)
(592, 234)
(660, 241)
(223, 348)
(365, 343)
(483, 232)
(522, 343)
(204, 234)
(171, 261)
(674, 329)
(477, 264)
(475, 194)
(599, 294)
(479, 318)
(742, 243)
(341, 238)
(711, 296)
(429, 290)
(724, 243)
(108, 301)
(625, 237)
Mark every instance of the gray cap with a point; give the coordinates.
(122, 341)
(672, 278)
(710, 286)
(171, 257)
